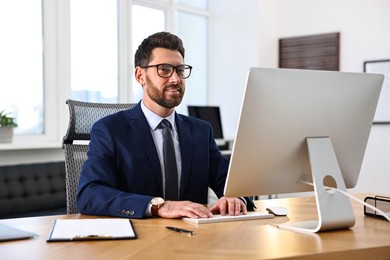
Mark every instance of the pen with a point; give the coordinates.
(180, 230)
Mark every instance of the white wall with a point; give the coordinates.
(365, 35)
(363, 24)
(234, 47)
(31, 155)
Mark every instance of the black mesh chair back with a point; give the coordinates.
(82, 116)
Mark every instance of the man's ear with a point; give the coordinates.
(139, 75)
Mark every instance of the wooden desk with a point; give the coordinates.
(252, 239)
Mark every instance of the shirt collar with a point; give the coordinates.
(154, 119)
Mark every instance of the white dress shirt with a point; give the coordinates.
(153, 121)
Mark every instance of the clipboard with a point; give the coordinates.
(91, 229)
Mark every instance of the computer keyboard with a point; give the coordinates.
(219, 218)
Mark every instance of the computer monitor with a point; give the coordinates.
(210, 114)
(303, 125)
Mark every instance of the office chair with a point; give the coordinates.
(82, 116)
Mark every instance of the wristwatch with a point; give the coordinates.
(157, 203)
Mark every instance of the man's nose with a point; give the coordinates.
(174, 78)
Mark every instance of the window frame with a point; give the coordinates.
(56, 64)
(56, 78)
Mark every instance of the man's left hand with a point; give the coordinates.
(229, 206)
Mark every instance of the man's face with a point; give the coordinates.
(166, 92)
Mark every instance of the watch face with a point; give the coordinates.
(158, 201)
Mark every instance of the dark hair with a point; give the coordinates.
(158, 40)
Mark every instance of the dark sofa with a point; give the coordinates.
(35, 189)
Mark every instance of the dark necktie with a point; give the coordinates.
(171, 179)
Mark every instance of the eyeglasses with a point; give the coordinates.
(165, 70)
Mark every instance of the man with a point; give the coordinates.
(125, 172)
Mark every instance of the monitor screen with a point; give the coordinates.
(281, 108)
(210, 114)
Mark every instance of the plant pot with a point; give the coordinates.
(6, 134)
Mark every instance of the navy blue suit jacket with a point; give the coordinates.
(122, 173)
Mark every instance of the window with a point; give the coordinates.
(21, 64)
(187, 26)
(94, 59)
(94, 50)
(202, 4)
(142, 29)
(190, 23)
(53, 50)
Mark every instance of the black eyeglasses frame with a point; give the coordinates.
(186, 66)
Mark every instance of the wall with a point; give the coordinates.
(363, 25)
(31, 154)
(234, 47)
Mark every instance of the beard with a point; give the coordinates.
(159, 96)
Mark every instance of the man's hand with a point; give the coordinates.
(229, 206)
(178, 209)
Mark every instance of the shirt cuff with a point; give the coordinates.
(148, 210)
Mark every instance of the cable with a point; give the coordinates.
(385, 215)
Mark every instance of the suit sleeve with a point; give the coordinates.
(98, 192)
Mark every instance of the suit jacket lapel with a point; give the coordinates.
(141, 128)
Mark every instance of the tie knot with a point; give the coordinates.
(164, 124)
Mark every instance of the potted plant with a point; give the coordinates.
(7, 124)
